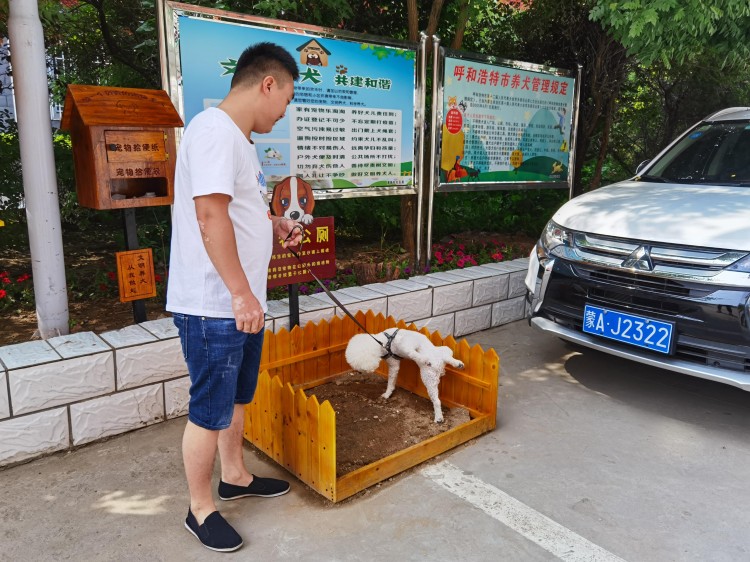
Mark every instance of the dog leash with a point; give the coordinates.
(389, 338)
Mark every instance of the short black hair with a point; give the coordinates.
(261, 60)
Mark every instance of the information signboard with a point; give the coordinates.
(503, 123)
(351, 125)
(135, 274)
(317, 253)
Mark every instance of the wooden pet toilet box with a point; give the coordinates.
(124, 146)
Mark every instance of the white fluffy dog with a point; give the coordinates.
(363, 353)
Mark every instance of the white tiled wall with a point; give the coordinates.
(78, 388)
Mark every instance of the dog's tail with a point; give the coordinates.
(363, 353)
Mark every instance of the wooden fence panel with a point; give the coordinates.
(313, 447)
(476, 393)
(283, 351)
(296, 369)
(323, 341)
(491, 372)
(309, 370)
(263, 398)
(277, 420)
(327, 446)
(338, 364)
(289, 432)
(302, 462)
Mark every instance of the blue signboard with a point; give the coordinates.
(351, 123)
(504, 124)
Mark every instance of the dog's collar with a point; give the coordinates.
(387, 346)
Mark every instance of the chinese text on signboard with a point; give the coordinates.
(317, 252)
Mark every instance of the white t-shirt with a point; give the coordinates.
(215, 157)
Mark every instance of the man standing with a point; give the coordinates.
(222, 235)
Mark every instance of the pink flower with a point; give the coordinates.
(2, 293)
(111, 275)
(6, 280)
(460, 263)
(157, 277)
(3, 274)
(23, 278)
(497, 256)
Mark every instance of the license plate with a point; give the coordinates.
(628, 328)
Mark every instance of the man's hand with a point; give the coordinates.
(248, 313)
(283, 226)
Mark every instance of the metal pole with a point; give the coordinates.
(162, 38)
(38, 165)
(419, 175)
(293, 305)
(131, 243)
(574, 134)
(435, 138)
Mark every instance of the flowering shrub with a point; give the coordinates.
(452, 254)
(18, 291)
(15, 290)
(455, 254)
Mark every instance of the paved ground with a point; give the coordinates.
(594, 458)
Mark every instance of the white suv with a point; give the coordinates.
(657, 268)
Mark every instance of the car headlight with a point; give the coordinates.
(553, 236)
(741, 265)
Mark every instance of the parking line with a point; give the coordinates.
(538, 528)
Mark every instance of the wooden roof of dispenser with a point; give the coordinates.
(127, 107)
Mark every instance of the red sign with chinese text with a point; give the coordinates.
(317, 252)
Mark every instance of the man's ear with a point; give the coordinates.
(266, 84)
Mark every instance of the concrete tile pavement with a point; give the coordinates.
(594, 458)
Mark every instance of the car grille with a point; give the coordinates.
(661, 285)
(732, 357)
(671, 262)
(681, 281)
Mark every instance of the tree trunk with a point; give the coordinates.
(409, 202)
(596, 179)
(463, 17)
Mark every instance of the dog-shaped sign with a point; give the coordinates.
(293, 198)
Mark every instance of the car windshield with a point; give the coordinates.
(712, 153)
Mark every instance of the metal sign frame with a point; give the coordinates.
(169, 36)
(438, 91)
(441, 54)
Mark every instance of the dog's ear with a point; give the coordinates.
(305, 191)
(277, 207)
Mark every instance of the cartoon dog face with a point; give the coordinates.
(293, 199)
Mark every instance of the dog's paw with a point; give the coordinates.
(439, 420)
(307, 219)
(385, 396)
(460, 365)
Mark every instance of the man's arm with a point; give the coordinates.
(217, 233)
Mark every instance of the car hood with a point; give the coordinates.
(696, 215)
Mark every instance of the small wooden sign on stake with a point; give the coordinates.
(135, 274)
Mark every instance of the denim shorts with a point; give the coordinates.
(223, 364)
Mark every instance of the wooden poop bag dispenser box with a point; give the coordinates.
(299, 433)
(124, 146)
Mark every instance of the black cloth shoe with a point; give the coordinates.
(260, 487)
(215, 533)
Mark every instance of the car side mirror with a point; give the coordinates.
(641, 166)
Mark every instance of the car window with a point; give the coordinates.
(711, 153)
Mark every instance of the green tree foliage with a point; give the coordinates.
(657, 104)
(679, 31)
